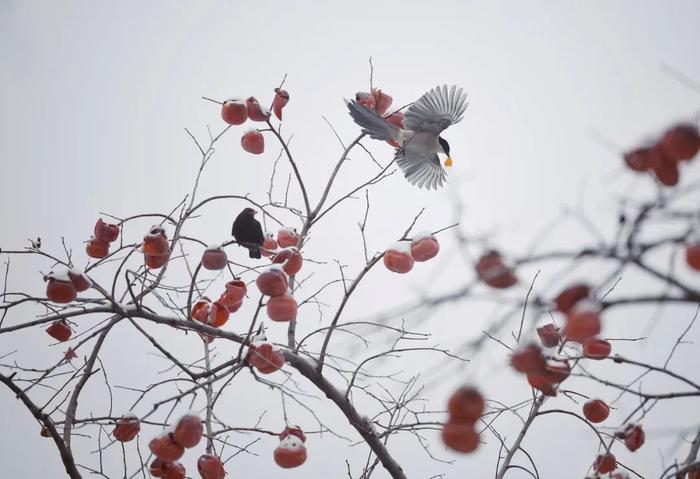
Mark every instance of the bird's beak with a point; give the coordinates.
(448, 161)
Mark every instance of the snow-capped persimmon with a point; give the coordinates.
(596, 348)
(569, 297)
(596, 410)
(282, 308)
(549, 335)
(273, 281)
(681, 142)
(692, 255)
(253, 142)
(382, 101)
(398, 258)
(269, 246)
(365, 99)
(605, 463)
(582, 323)
(290, 452)
(287, 237)
(188, 430)
(528, 359)
(460, 436)
(395, 119)
(106, 232)
(542, 383)
(493, 271)
(59, 288)
(164, 447)
(200, 310)
(291, 260)
(155, 261)
(633, 436)
(218, 314)
(79, 280)
(279, 102)
(466, 405)
(256, 112)
(59, 330)
(234, 111)
(97, 249)
(210, 467)
(155, 242)
(214, 258)
(424, 247)
(128, 426)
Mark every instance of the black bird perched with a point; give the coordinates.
(248, 232)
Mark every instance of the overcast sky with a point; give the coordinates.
(95, 97)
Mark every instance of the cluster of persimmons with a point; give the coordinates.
(544, 369)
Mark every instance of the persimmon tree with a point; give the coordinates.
(254, 318)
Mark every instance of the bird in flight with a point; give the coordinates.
(419, 140)
(247, 231)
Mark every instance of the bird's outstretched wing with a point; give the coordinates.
(421, 169)
(372, 123)
(436, 110)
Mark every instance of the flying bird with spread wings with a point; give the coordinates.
(419, 140)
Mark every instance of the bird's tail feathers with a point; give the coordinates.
(372, 123)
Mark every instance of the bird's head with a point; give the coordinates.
(445, 149)
(250, 211)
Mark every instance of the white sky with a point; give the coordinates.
(95, 98)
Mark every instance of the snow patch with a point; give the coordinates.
(275, 267)
(60, 274)
(401, 247)
(423, 234)
(291, 442)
